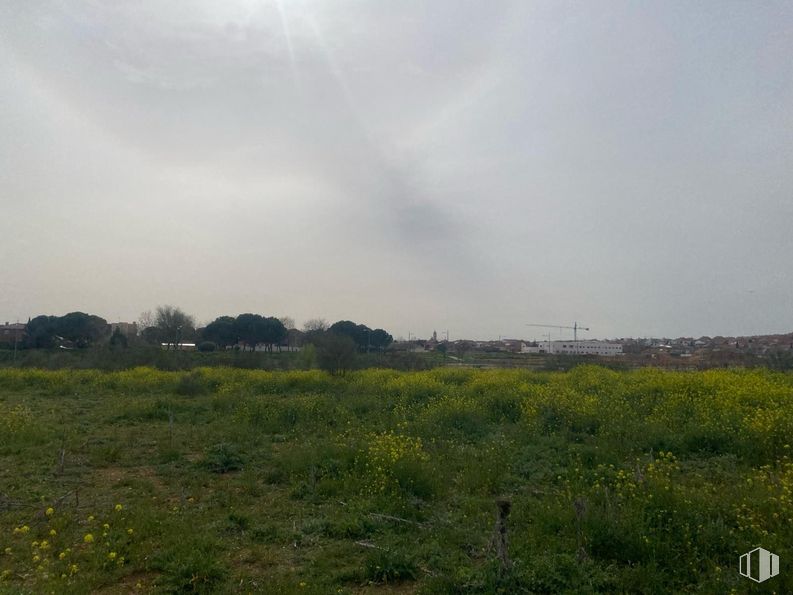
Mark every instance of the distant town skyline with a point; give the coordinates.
(529, 335)
(414, 166)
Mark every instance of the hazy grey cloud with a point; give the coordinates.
(414, 165)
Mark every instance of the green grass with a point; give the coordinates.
(102, 358)
(233, 480)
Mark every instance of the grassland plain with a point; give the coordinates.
(230, 480)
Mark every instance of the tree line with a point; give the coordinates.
(77, 328)
(171, 327)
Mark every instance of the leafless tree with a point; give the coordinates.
(173, 324)
(315, 324)
(145, 320)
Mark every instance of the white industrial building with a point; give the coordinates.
(574, 347)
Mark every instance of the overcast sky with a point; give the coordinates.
(413, 165)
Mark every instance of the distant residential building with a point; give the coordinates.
(490, 346)
(12, 333)
(513, 345)
(570, 347)
(179, 346)
(414, 346)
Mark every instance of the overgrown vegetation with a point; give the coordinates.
(234, 480)
(156, 357)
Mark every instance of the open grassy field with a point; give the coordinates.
(230, 480)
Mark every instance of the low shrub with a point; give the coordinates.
(223, 458)
(194, 568)
(390, 566)
(192, 384)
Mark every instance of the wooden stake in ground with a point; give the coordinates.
(580, 510)
(500, 534)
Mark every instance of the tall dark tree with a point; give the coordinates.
(222, 331)
(359, 333)
(41, 332)
(365, 338)
(273, 331)
(250, 329)
(82, 329)
(380, 339)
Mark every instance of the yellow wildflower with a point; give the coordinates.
(53, 532)
(50, 511)
(111, 556)
(119, 508)
(88, 538)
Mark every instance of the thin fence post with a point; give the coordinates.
(504, 506)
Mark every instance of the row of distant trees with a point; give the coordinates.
(250, 330)
(365, 339)
(172, 327)
(247, 330)
(78, 328)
